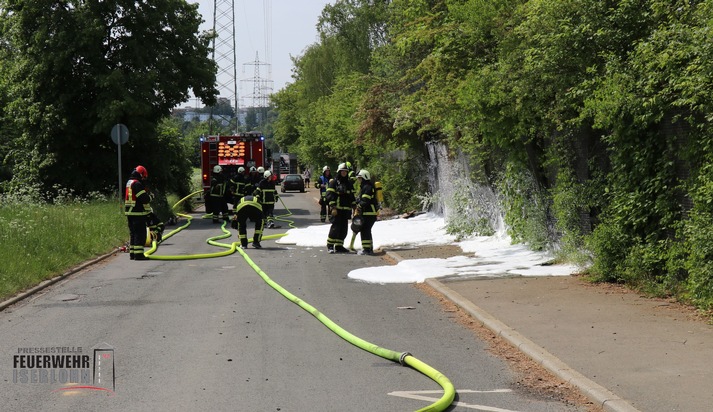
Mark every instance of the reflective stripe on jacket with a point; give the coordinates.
(136, 199)
(367, 199)
(265, 192)
(340, 194)
(217, 187)
(248, 201)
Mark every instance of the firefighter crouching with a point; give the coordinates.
(248, 208)
(340, 198)
(137, 209)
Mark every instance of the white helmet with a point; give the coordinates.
(364, 174)
(252, 169)
(217, 169)
(241, 170)
(325, 168)
(342, 166)
(267, 174)
(260, 169)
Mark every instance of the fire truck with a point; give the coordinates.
(230, 152)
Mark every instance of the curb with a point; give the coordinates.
(595, 392)
(25, 294)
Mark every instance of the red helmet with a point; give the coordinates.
(142, 171)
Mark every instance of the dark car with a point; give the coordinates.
(293, 182)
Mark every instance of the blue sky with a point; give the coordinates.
(293, 29)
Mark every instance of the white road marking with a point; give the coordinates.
(419, 395)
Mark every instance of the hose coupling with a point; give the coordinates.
(402, 358)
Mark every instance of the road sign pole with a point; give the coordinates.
(121, 192)
(119, 135)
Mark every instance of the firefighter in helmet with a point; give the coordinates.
(252, 180)
(322, 183)
(218, 194)
(340, 198)
(367, 208)
(137, 209)
(266, 194)
(237, 186)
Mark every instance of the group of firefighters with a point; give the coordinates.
(343, 197)
(253, 195)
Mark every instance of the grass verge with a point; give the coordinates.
(42, 241)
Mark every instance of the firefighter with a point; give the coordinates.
(237, 185)
(252, 181)
(367, 208)
(249, 208)
(341, 201)
(156, 227)
(267, 196)
(352, 177)
(137, 209)
(218, 195)
(322, 183)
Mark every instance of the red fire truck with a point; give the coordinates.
(230, 152)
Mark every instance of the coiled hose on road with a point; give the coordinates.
(404, 358)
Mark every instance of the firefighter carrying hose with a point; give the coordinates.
(137, 210)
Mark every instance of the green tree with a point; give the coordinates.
(76, 68)
(315, 111)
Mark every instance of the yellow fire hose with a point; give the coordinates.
(403, 358)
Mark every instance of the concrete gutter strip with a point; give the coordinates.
(595, 392)
(49, 282)
(394, 256)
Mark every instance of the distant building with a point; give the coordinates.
(190, 114)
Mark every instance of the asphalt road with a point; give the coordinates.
(210, 334)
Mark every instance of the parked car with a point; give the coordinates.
(293, 182)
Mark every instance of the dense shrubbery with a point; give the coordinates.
(590, 118)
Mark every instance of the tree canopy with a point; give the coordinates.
(73, 69)
(590, 118)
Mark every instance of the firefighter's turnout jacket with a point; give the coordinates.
(137, 199)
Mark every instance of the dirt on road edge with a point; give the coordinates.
(530, 376)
